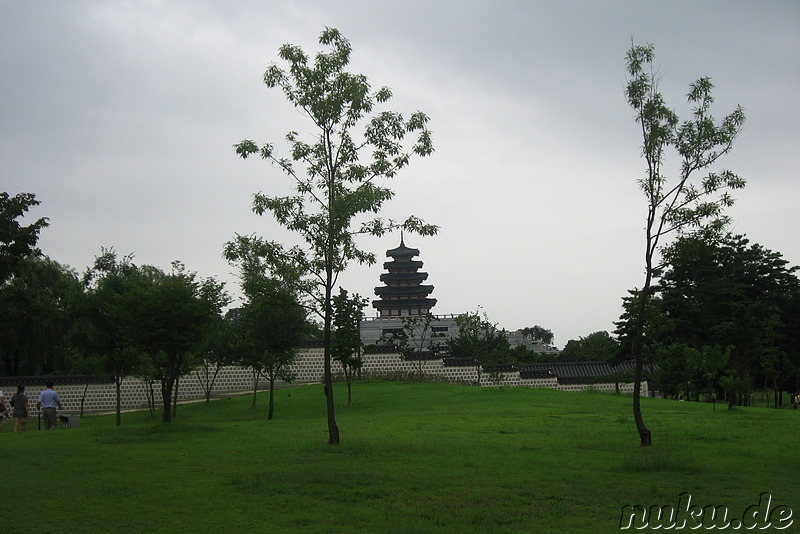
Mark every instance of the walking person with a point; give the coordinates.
(3, 410)
(48, 400)
(20, 404)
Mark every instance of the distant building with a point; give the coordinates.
(536, 345)
(376, 331)
(403, 295)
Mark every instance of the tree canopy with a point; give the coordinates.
(166, 317)
(479, 339)
(595, 347)
(37, 306)
(17, 241)
(346, 345)
(104, 318)
(727, 309)
(338, 177)
(695, 198)
(272, 325)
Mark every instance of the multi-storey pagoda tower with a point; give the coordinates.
(403, 293)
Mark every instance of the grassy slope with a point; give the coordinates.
(414, 458)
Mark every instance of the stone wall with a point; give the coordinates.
(308, 368)
(133, 391)
(309, 363)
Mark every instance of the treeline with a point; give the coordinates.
(124, 319)
(723, 320)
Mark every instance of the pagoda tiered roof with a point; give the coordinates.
(404, 277)
(397, 291)
(404, 304)
(395, 266)
(403, 292)
(402, 251)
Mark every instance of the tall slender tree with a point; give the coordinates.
(695, 198)
(338, 177)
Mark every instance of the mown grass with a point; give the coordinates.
(414, 458)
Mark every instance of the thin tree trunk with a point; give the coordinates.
(205, 383)
(83, 398)
(118, 387)
(333, 429)
(271, 397)
(166, 397)
(776, 397)
(151, 398)
(645, 436)
(349, 377)
(330, 251)
(175, 396)
(255, 387)
(211, 381)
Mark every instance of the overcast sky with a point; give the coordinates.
(120, 115)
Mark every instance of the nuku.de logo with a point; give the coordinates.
(686, 515)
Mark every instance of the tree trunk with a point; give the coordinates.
(83, 398)
(175, 395)
(166, 397)
(205, 383)
(645, 436)
(779, 382)
(151, 397)
(271, 397)
(211, 381)
(255, 387)
(349, 377)
(118, 387)
(333, 429)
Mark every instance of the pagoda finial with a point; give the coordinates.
(402, 244)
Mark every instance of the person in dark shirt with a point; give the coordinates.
(3, 409)
(20, 402)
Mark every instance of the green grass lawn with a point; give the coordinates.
(421, 458)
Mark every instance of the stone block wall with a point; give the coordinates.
(133, 391)
(308, 368)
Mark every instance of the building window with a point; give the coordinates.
(391, 331)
